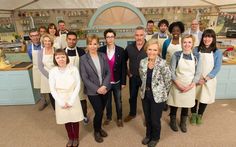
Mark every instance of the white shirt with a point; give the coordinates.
(110, 53)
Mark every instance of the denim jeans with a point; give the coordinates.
(134, 84)
(116, 90)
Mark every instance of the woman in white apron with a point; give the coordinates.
(211, 62)
(171, 45)
(185, 74)
(45, 64)
(64, 81)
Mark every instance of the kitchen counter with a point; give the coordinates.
(16, 86)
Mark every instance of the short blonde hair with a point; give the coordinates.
(92, 37)
(151, 42)
(48, 36)
(187, 36)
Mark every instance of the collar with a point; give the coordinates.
(74, 48)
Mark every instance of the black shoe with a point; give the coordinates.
(98, 138)
(153, 143)
(103, 133)
(145, 140)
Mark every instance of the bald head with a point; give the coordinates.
(195, 25)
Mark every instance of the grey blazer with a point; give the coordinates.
(89, 74)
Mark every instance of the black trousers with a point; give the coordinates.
(152, 112)
(98, 103)
(52, 100)
(173, 111)
(84, 107)
(201, 108)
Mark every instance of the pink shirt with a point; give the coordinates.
(111, 63)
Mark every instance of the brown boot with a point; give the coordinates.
(129, 118)
(173, 124)
(98, 138)
(182, 125)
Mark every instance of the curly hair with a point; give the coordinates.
(178, 24)
(163, 21)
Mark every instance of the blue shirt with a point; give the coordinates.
(175, 60)
(217, 62)
(29, 49)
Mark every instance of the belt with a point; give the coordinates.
(148, 89)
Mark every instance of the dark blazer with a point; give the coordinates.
(89, 74)
(120, 67)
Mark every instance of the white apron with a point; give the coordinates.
(206, 93)
(172, 48)
(65, 85)
(161, 42)
(148, 37)
(74, 60)
(36, 72)
(184, 73)
(48, 65)
(63, 43)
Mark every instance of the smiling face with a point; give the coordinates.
(207, 40)
(47, 43)
(139, 37)
(93, 46)
(152, 51)
(52, 31)
(163, 27)
(176, 32)
(71, 41)
(187, 44)
(194, 26)
(35, 37)
(61, 60)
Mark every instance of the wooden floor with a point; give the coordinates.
(25, 126)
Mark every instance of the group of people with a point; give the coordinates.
(169, 68)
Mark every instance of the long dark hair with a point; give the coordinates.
(208, 33)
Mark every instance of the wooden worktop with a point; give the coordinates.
(28, 65)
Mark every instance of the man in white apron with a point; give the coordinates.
(74, 53)
(163, 34)
(33, 48)
(61, 40)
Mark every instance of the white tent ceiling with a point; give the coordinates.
(68, 4)
(8, 6)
